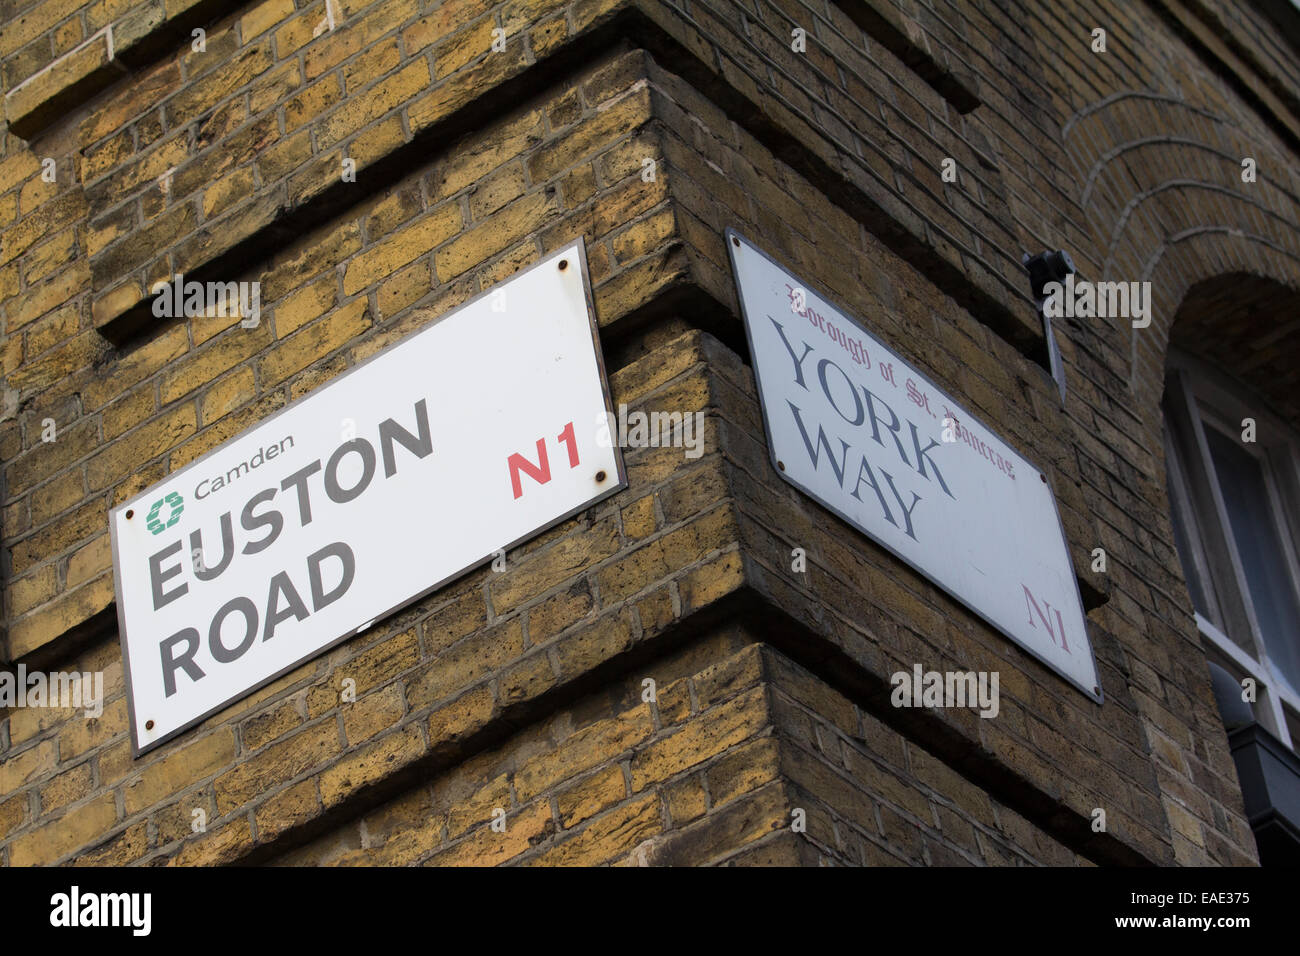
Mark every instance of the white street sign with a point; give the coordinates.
(467, 437)
(873, 440)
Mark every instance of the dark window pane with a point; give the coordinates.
(1255, 531)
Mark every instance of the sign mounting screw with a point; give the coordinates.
(129, 513)
(600, 476)
(148, 725)
(564, 264)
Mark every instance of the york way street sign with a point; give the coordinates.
(463, 439)
(870, 438)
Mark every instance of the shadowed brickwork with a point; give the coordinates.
(523, 690)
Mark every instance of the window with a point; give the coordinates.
(1235, 505)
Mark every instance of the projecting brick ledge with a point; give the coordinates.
(391, 124)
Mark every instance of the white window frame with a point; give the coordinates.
(1198, 397)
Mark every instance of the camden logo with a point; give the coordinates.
(157, 521)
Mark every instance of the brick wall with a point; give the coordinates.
(522, 690)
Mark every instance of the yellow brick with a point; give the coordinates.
(405, 287)
(706, 584)
(591, 135)
(299, 31)
(32, 105)
(465, 663)
(44, 298)
(58, 326)
(559, 612)
(478, 159)
(372, 714)
(459, 90)
(462, 717)
(312, 102)
(608, 836)
(115, 762)
(591, 795)
(487, 847)
(318, 252)
(265, 727)
(743, 770)
(68, 529)
(526, 679)
(129, 452)
(176, 770)
(667, 554)
(143, 361)
(227, 191)
(362, 110)
(513, 261)
(374, 666)
(547, 37)
(263, 17)
(224, 428)
(216, 847)
(375, 60)
(710, 733)
(35, 192)
(300, 307)
(466, 46)
(273, 88)
(445, 18)
(34, 589)
(645, 236)
(295, 805)
(48, 459)
(510, 225)
(80, 736)
(1184, 823)
(58, 617)
(591, 646)
(315, 341)
(220, 355)
(67, 787)
(227, 394)
(639, 518)
(109, 305)
(127, 847)
(125, 413)
(464, 813)
(50, 257)
(280, 762)
(560, 561)
(373, 762)
(386, 257)
(319, 374)
(686, 800)
(587, 748)
(13, 814)
(59, 363)
(76, 828)
(89, 560)
(27, 765)
(378, 141)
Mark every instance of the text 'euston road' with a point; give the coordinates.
(343, 477)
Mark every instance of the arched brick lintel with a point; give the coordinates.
(1229, 296)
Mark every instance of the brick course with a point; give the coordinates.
(522, 690)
